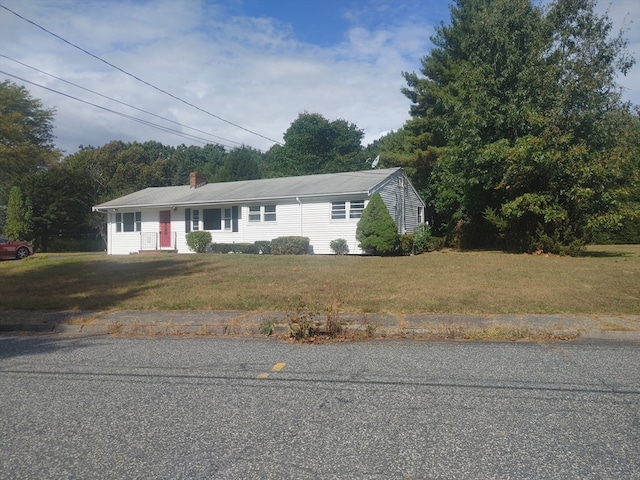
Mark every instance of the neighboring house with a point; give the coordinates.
(321, 207)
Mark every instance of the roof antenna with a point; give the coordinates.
(373, 164)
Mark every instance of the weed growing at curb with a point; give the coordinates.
(115, 328)
(306, 324)
(267, 327)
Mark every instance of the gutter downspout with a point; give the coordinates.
(301, 224)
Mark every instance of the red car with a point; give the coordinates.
(13, 250)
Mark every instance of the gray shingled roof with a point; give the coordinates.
(247, 191)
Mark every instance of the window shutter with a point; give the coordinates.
(234, 218)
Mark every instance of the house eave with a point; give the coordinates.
(103, 208)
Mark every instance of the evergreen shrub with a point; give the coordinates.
(339, 246)
(376, 230)
(290, 245)
(199, 241)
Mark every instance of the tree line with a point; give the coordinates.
(518, 139)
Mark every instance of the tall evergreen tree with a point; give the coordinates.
(514, 104)
(18, 225)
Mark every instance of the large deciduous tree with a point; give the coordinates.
(315, 145)
(515, 104)
(26, 138)
(242, 163)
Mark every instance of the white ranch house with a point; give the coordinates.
(321, 207)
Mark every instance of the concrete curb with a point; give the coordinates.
(373, 325)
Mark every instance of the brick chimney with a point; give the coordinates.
(197, 179)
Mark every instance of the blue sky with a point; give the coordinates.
(327, 22)
(253, 63)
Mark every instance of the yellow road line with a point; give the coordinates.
(278, 366)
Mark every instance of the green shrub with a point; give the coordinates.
(289, 245)
(232, 248)
(437, 243)
(406, 243)
(263, 246)
(339, 246)
(376, 230)
(199, 241)
(422, 238)
(547, 244)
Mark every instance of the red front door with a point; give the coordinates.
(165, 229)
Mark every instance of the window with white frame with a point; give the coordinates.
(195, 220)
(227, 219)
(254, 213)
(355, 208)
(338, 210)
(269, 213)
(129, 222)
(344, 210)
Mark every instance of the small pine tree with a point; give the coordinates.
(376, 230)
(18, 225)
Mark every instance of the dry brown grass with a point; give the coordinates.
(606, 281)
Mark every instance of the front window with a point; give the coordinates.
(254, 213)
(129, 222)
(227, 219)
(195, 219)
(212, 218)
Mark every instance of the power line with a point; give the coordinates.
(137, 78)
(135, 119)
(117, 101)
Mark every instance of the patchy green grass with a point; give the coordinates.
(605, 281)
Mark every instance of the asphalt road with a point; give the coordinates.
(211, 408)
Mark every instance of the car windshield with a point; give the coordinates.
(3, 239)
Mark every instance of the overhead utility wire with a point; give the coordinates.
(135, 119)
(139, 79)
(118, 101)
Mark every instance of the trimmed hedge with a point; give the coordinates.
(232, 248)
(290, 245)
(199, 241)
(258, 247)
